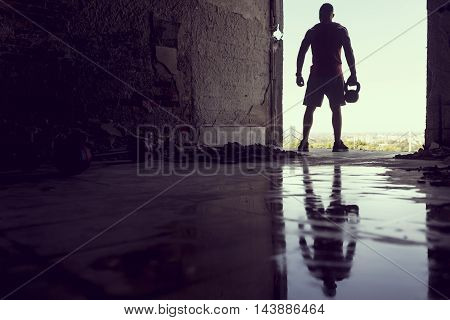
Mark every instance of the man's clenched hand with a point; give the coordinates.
(300, 81)
(352, 80)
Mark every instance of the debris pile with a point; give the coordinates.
(229, 153)
(435, 176)
(72, 148)
(438, 177)
(434, 152)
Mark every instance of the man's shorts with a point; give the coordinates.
(319, 86)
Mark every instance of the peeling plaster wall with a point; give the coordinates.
(248, 9)
(205, 61)
(231, 62)
(438, 91)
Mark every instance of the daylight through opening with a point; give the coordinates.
(391, 67)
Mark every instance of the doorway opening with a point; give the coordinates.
(391, 66)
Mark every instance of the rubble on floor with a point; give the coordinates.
(434, 152)
(436, 176)
(229, 153)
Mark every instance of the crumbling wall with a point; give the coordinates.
(231, 70)
(72, 63)
(75, 60)
(438, 89)
(231, 64)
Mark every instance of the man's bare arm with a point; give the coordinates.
(302, 53)
(306, 43)
(350, 56)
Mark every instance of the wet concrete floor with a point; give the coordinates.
(352, 226)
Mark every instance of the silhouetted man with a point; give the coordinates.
(326, 40)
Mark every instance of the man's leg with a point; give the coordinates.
(337, 123)
(307, 124)
(308, 120)
(313, 98)
(338, 146)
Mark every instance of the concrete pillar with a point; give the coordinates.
(438, 82)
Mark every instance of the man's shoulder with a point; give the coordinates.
(339, 27)
(315, 27)
(342, 32)
(333, 25)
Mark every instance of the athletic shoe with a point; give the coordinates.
(304, 146)
(340, 147)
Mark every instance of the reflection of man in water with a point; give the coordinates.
(328, 259)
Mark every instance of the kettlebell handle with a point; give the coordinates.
(358, 87)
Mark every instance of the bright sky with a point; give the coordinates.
(393, 80)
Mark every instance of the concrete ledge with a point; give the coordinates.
(221, 135)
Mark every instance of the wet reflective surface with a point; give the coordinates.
(351, 234)
(299, 231)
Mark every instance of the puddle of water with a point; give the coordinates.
(299, 232)
(352, 234)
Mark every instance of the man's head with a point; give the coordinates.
(326, 13)
(329, 286)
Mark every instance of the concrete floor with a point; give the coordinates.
(346, 226)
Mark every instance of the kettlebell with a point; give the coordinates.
(352, 96)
